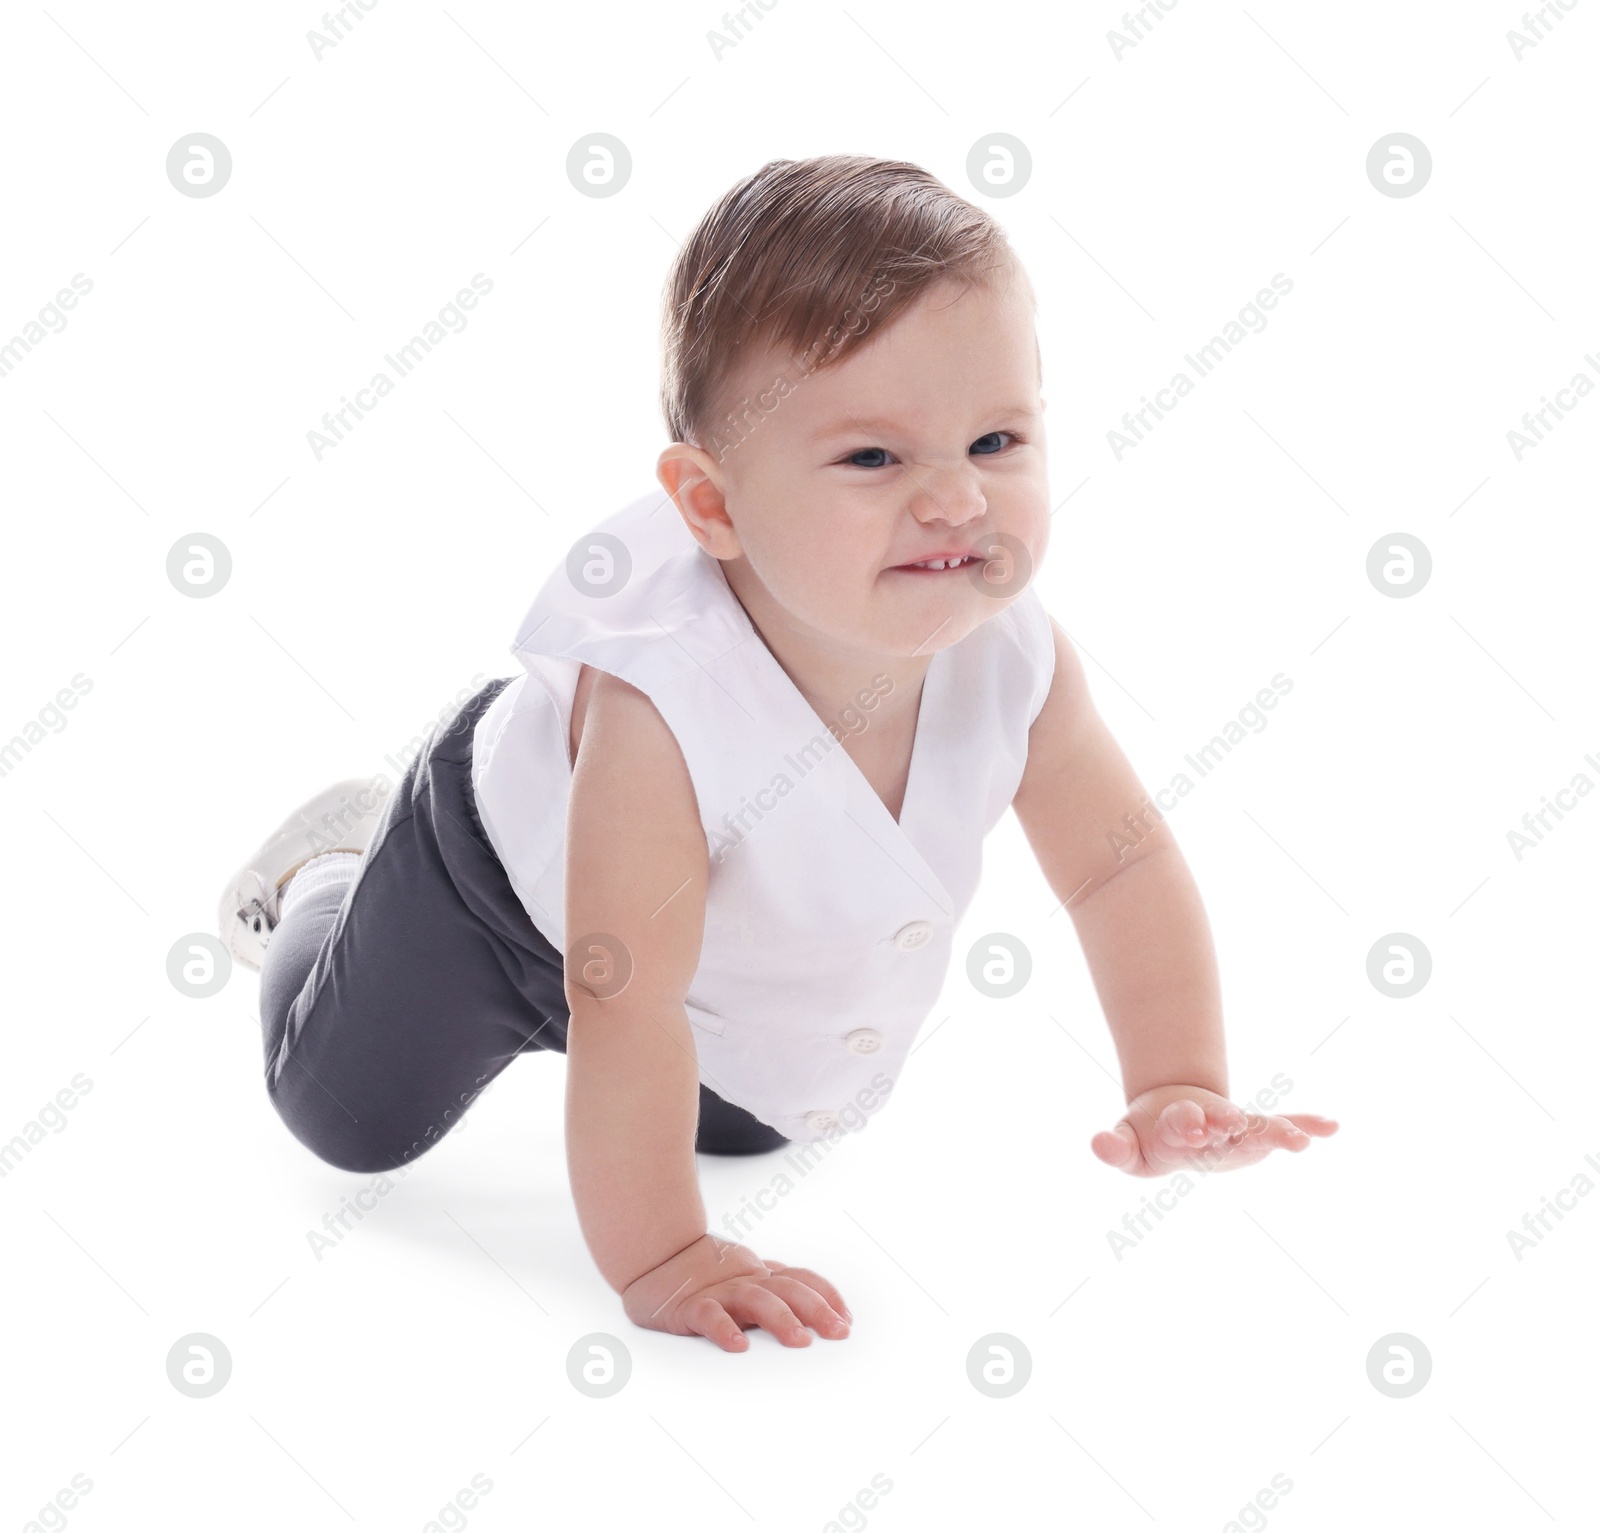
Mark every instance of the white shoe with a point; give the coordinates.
(341, 818)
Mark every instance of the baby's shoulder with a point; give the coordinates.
(632, 738)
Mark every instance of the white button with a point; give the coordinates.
(864, 1040)
(911, 937)
(821, 1122)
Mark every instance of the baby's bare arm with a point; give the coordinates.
(635, 913)
(1134, 904)
(636, 879)
(1142, 926)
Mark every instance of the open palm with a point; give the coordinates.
(1174, 1128)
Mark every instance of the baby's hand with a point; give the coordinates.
(716, 1288)
(1170, 1128)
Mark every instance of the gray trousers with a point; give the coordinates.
(388, 1006)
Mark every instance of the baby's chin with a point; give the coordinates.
(923, 628)
(894, 616)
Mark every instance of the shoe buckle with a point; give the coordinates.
(254, 907)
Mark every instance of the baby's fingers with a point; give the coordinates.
(1313, 1123)
(813, 1280)
(753, 1301)
(705, 1317)
(1292, 1132)
(810, 1306)
(1119, 1147)
(1182, 1124)
(1224, 1120)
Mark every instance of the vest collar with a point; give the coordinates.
(855, 797)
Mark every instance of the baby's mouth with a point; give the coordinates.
(939, 566)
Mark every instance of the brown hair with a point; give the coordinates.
(797, 256)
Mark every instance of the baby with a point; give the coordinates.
(715, 841)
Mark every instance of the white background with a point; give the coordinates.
(1168, 185)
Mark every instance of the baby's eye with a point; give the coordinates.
(851, 460)
(990, 436)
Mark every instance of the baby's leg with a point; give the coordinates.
(389, 1001)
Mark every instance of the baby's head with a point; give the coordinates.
(851, 381)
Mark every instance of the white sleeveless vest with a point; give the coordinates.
(828, 925)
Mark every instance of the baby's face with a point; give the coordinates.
(927, 440)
